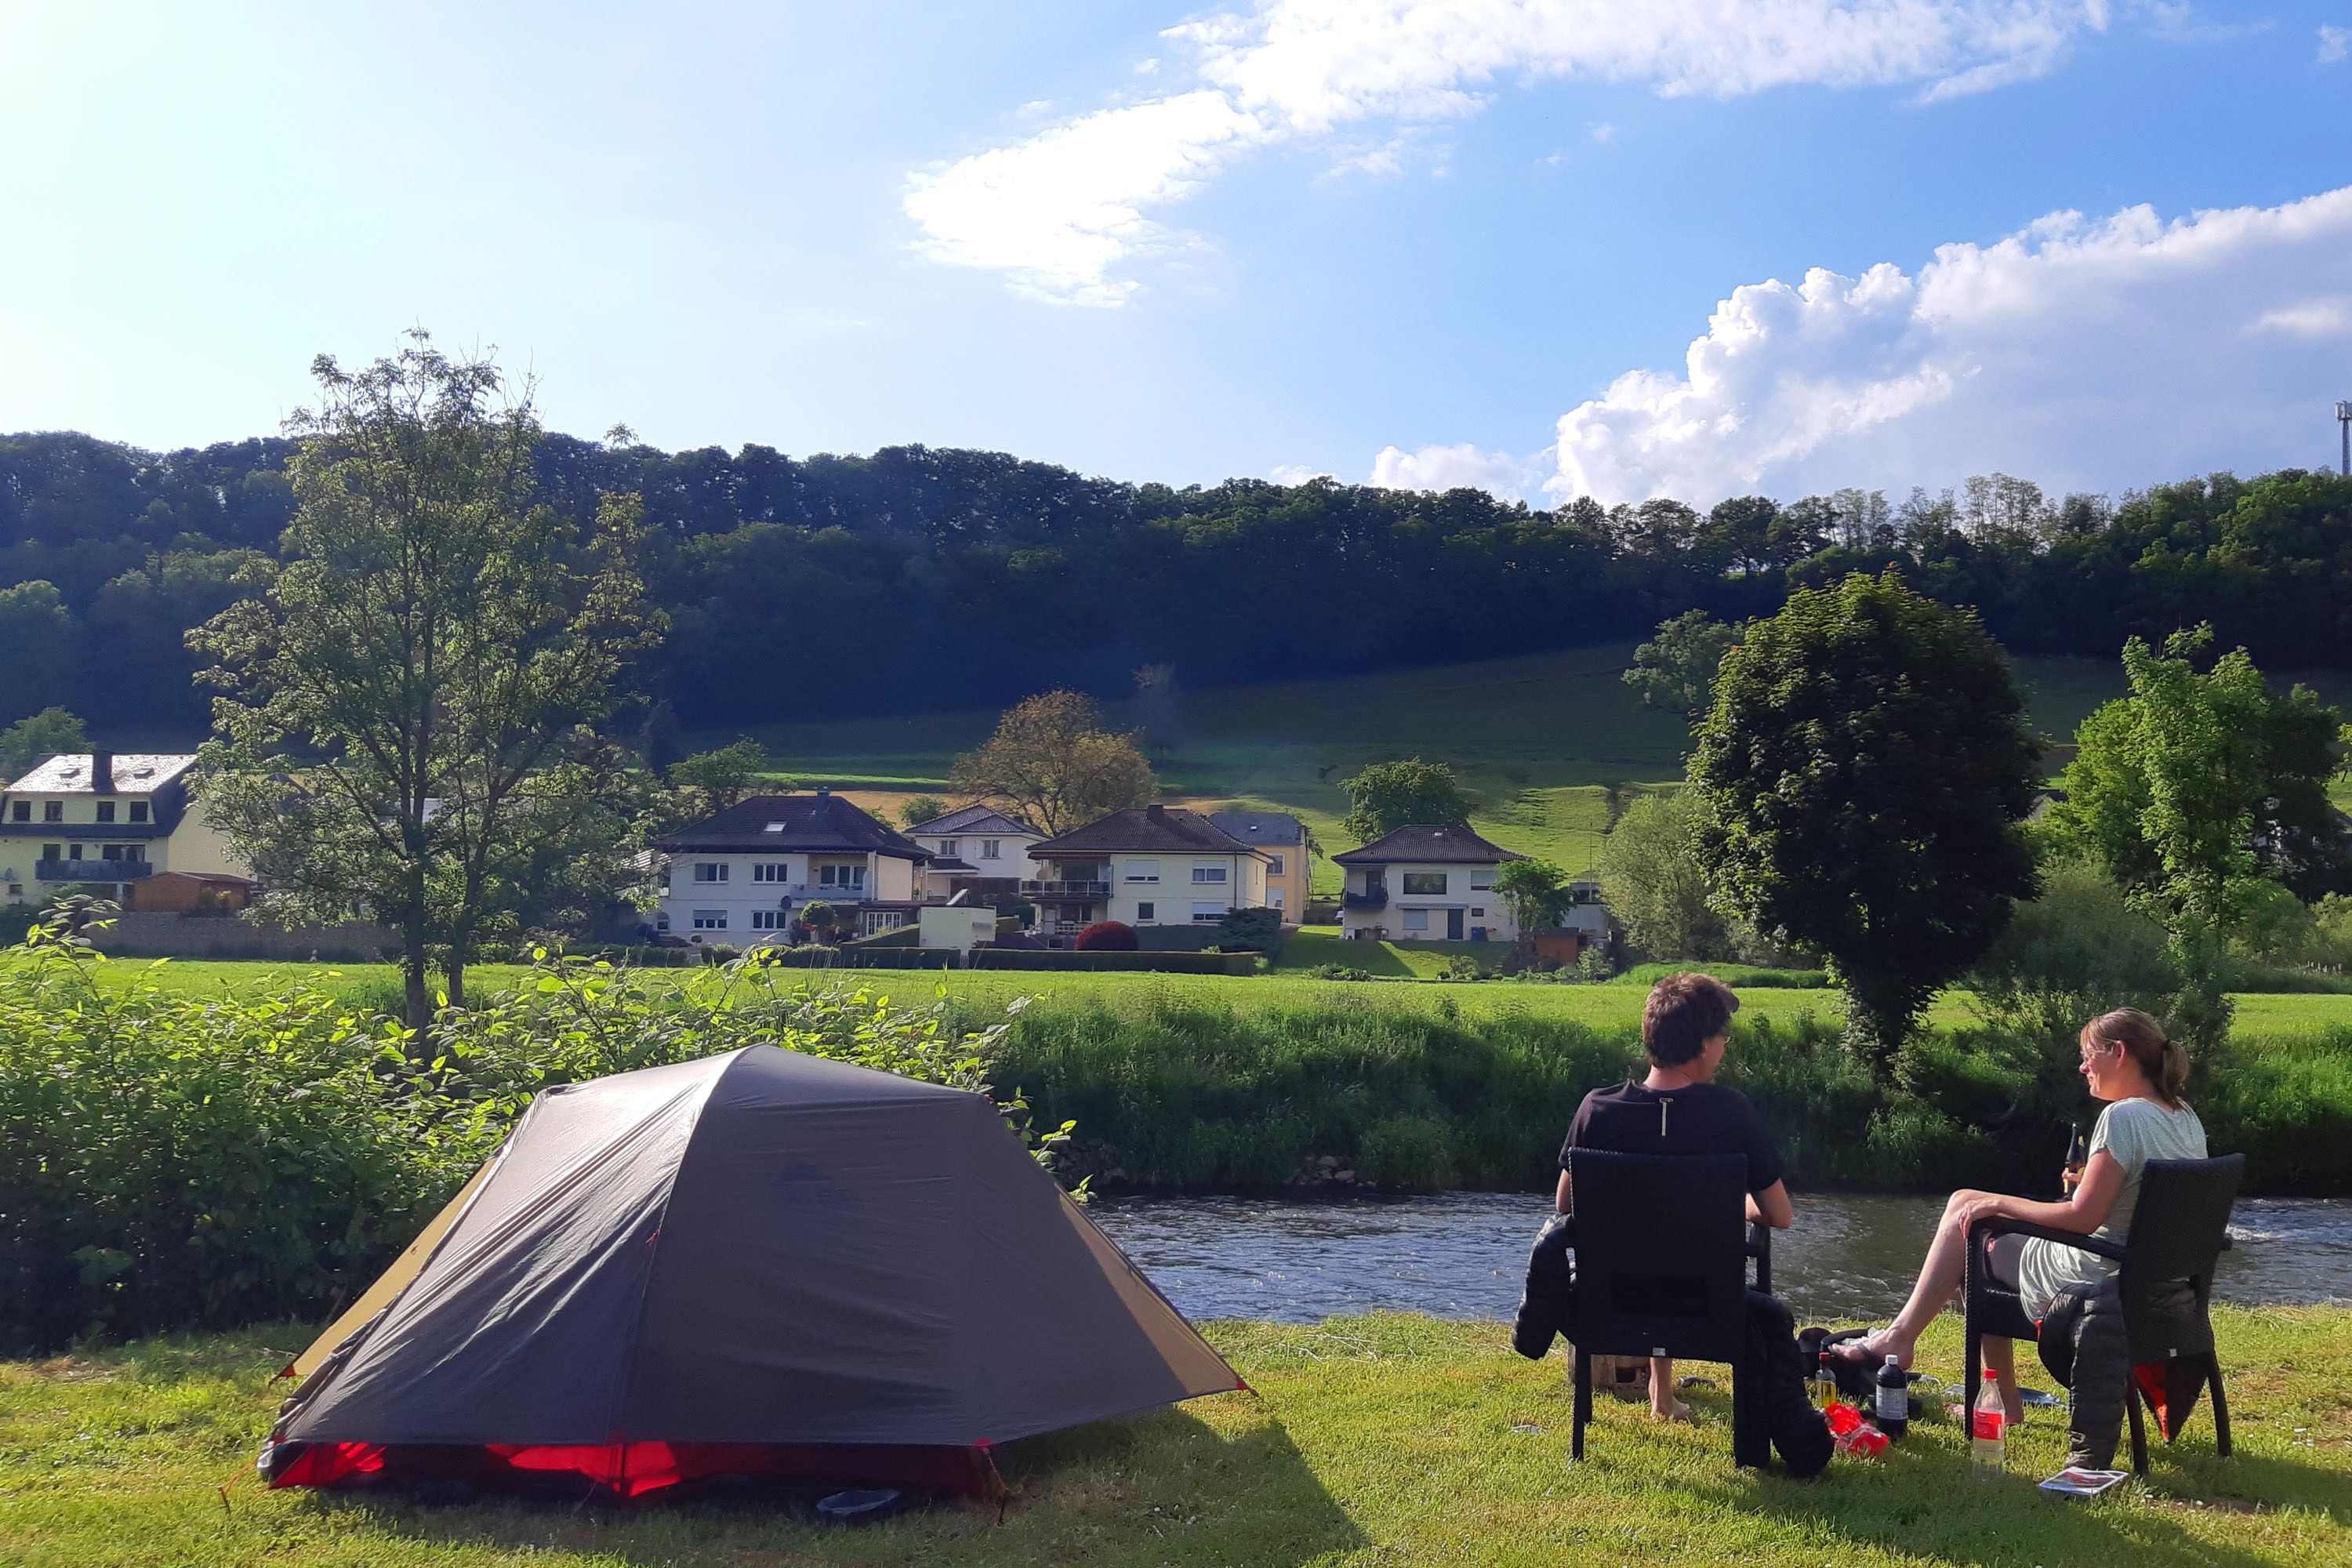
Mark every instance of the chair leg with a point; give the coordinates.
(1583, 1403)
(2138, 1427)
(1972, 1346)
(2220, 1408)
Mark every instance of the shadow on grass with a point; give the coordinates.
(1927, 1504)
(1166, 1487)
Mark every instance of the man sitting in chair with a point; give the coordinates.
(1679, 1109)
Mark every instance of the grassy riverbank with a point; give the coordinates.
(1369, 1441)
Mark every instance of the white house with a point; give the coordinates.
(1425, 883)
(107, 819)
(976, 849)
(1153, 865)
(743, 877)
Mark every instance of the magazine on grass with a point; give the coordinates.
(2075, 1481)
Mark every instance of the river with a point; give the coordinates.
(1463, 1255)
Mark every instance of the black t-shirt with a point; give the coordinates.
(1704, 1118)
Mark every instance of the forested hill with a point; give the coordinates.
(917, 579)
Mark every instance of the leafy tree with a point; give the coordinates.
(1675, 668)
(40, 647)
(921, 808)
(44, 734)
(709, 781)
(1655, 884)
(2196, 792)
(1388, 795)
(1052, 761)
(408, 724)
(820, 918)
(662, 741)
(1863, 774)
(2078, 950)
(1535, 892)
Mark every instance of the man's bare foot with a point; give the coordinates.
(1672, 1410)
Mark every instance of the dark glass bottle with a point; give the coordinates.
(1893, 1402)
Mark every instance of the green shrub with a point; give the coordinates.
(1411, 1154)
(1743, 975)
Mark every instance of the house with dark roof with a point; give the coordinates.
(1151, 865)
(109, 819)
(974, 849)
(1426, 882)
(745, 875)
(1283, 838)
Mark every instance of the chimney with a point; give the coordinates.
(1157, 812)
(824, 792)
(101, 773)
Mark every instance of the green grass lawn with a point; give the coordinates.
(1368, 1442)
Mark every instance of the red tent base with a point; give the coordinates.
(629, 1469)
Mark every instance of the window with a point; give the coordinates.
(769, 871)
(1144, 914)
(1482, 881)
(841, 876)
(773, 827)
(106, 811)
(23, 811)
(53, 851)
(1208, 874)
(710, 870)
(770, 920)
(1425, 884)
(112, 852)
(711, 920)
(1144, 871)
(1280, 864)
(138, 811)
(1209, 911)
(992, 848)
(53, 811)
(950, 847)
(661, 920)
(1273, 898)
(1416, 919)
(1477, 914)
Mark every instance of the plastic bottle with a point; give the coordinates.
(1989, 1433)
(1893, 1405)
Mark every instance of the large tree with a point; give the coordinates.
(44, 734)
(2198, 791)
(1675, 668)
(1655, 881)
(1863, 771)
(1388, 795)
(1054, 761)
(409, 724)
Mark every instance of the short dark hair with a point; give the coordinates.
(1684, 1011)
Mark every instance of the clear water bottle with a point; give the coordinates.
(1989, 1433)
(1893, 1402)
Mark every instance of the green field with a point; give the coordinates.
(1367, 1443)
(1549, 745)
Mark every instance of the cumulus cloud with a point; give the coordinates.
(1452, 468)
(2101, 353)
(2335, 43)
(1060, 211)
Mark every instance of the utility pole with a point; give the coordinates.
(2344, 422)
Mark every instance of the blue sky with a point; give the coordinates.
(1465, 241)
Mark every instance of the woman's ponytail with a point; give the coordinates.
(2160, 1058)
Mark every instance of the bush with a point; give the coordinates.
(1411, 1153)
(1107, 936)
(1250, 931)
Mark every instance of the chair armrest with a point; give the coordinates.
(2080, 1239)
(1759, 1241)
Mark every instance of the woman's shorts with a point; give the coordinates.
(2001, 1256)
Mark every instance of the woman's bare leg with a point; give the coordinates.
(2000, 1360)
(1940, 1275)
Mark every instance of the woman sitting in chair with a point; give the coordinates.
(2129, 1063)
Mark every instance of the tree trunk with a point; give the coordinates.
(416, 985)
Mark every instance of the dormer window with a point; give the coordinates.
(106, 811)
(773, 827)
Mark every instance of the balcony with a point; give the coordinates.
(91, 870)
(1066, 890)
(1370, 899)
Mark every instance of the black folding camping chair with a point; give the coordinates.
(1662, 1250)
(2180, 1228)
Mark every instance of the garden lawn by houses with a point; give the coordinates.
(1369, 1441)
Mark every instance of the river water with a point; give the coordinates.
(1463, 1255)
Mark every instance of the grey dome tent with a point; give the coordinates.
(760, 1263)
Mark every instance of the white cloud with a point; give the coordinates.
(1452, 468)
(2335, 43)
(2084, 353)
(1297, 473)
(1059, 211)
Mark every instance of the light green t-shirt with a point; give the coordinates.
(2133, 1131)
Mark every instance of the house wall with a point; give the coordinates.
(1469, 889)
(744, 894)
(1159, 888)
(194, 844)
(1286, 890)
